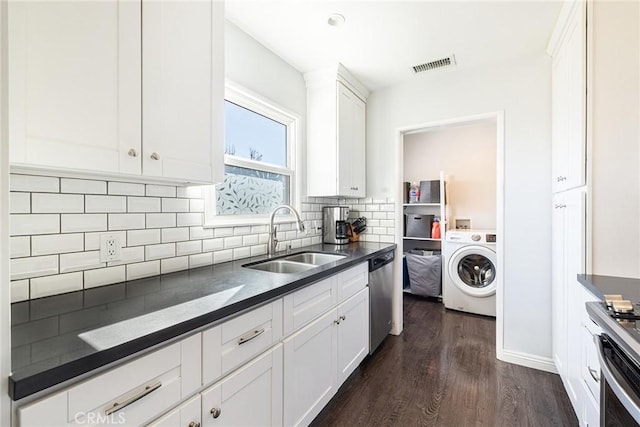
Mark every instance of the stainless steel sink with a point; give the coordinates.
(295, 263)
(314, 258)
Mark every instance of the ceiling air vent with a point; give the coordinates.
(438, 63)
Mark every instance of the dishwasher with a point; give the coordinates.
(380, 298)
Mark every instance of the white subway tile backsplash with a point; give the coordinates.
(25, 268)
(129, 255)
(223, 232)
(19, 203)
(104, 276)
(188, 248)
(105, 204)
(92, 240)
(80, 261)
(175, 234)
(125, 189)
(197, 233)
(57, 244)
(170, 265)
(19, 290)
(20, 246)
(143, 237)
(166, 250)
(194, 192)
(29, 224)
(189, 219)
(143, 204)
(126, 221)
(200, 260)
(243, 252)
(232, 242)
(82, 186)
(222, 256)
(160, 228)
(258, 250)
(34, 183)
(57, 203)
(250, 240)
(54, 285)
(161, 191)
(175, 205)
(210, 245)
(143, 269)
(72, 223)
(161, 220)
(241, 231)
(196, 205)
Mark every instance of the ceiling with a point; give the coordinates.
(381, 40)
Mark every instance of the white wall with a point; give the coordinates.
(521, 88)
(615, 158)
(467, 154)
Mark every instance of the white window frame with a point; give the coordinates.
(258, 104)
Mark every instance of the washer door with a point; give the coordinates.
(473, 270)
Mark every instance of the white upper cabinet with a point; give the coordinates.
(118, 87)
(336, 140)
(569, 101)
(181, 53)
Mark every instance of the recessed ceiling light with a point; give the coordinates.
(335, 20)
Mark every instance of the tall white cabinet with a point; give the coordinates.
(336, 135)
(595, 141)
(118, 87)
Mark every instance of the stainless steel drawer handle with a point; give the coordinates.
(215, 412)
(594, 374)
(148, 389)
(194, 424)
(249, 336)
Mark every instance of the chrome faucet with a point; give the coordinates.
(273, 242)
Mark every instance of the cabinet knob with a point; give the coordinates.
(155, 156)
(194, 424)
(337, 322)
(132, 152)
(561, 178)
(215, 412)
(343, 317)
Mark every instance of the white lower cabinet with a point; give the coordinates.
(250, 396)
(240, 372)
(353, 333)
(310, 365)
(185, 415)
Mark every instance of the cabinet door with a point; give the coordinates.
(251, 396)
(185, 415)
(351, 143)
(183, 89)
(310, 374)
(569, 105)
(353, 334)
(74, 85)
(558, 287)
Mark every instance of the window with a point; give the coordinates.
(260, 147)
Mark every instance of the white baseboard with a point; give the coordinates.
(528, 360)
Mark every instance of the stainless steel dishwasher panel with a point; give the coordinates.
(380, 298)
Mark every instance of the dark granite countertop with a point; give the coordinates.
(58, 338)
(610, 285)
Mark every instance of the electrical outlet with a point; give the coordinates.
(110, 247)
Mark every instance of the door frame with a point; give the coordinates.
(496, 117)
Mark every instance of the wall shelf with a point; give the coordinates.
(429, 239)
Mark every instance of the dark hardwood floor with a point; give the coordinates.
(443, 371)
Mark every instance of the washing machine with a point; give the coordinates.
(470, 271)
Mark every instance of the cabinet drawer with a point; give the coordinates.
(351, 281)
(143, 389)
(303, 306)
(232, 343)
(590, 366)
